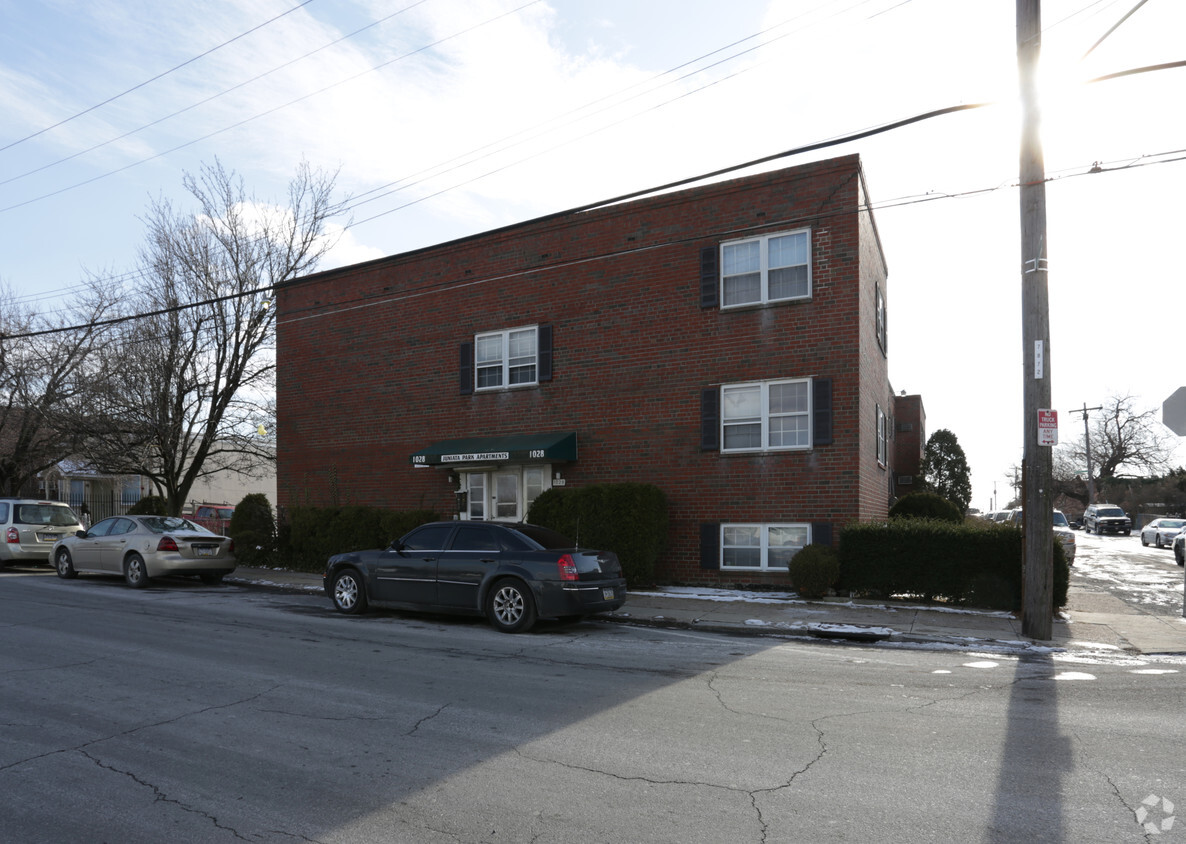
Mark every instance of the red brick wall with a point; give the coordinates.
(368, 357)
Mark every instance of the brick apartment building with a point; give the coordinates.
(726, 343)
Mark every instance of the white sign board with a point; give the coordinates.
(1047, 427)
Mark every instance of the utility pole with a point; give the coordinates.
(1087, 448)
(1037, 615)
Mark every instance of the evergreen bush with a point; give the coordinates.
(926, 505)
(308, 536)
(149, 505)
(975, 563)
(253, 528)
(814, 570)
(629, 519)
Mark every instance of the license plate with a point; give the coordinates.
(206, 550)
(607, 594)
(48, 537)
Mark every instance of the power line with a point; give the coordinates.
(149, 81)
(212, 97)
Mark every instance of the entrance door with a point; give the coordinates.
(505, 494)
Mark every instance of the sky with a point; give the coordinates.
(444, 118)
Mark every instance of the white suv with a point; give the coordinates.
(29, 529)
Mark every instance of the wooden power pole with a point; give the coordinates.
(1037, 615)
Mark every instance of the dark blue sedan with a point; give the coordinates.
(514, 574)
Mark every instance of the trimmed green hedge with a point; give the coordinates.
(253, 528)
(308, 536)
(975, 564)
(629, 519)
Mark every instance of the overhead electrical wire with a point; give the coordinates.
(212, 97)
(272, 110)
(160, 75)
(844, 139)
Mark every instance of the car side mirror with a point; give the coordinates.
(81, 534)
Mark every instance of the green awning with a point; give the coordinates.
(515, 448)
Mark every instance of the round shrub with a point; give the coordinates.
(814, 570)
(253, 528)
(926, 505)
(149, 505)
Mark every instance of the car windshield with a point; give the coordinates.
(58, 515)
(1060, 520)
(167, 524)
(1110, 511)
(1173, 523)
(545, 538)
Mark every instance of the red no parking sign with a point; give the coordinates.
(1047, 427)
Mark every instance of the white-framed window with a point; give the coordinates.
(506, 358)
(761, 546)
(881, 427)
(504, 494)
(766, 415)
(771, 268)
(880, 319)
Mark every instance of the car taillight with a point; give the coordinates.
(11, 536)
(231, 547)
(167, 543)
(568, 568)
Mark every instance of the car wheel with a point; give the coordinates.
(1180, 555)
(1157, 541)
(135, 574)
(349, 595)
(212, 579)
(1143, 542)
(510, 607)
(64, 565)
(1099, 531)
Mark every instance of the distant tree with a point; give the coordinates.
(195, 360)
(50, 373)
(1123, 438)
(945, 469)
(926, 505)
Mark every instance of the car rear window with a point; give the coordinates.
(545, 538)
(44, 514)
(163, 524)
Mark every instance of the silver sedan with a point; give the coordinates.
(142, 547)
(1161, 532)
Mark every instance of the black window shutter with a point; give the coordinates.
(710, 419)
(710, 281)
(465, 369)
(545, 353)
(821, 533)
(821, 407)
(710, 546)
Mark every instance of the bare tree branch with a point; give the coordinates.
(196, 382)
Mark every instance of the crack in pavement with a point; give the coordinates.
(81, 747)
(159, 796)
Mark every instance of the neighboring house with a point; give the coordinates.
(726, 343)
(97, 496)
(90, 494)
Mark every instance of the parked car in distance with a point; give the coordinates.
(29, 529)
(511, 573)
(214, 517)
(1062, 531)
(1161, 532)
(1106, 518)
(1180, 548)
(143, 547)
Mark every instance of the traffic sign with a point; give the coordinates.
(1047, 427)
(1173, 412)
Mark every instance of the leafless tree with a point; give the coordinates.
(1124, 438)
(50, 373)
(196, 358)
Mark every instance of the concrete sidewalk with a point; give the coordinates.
(1095, 622)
